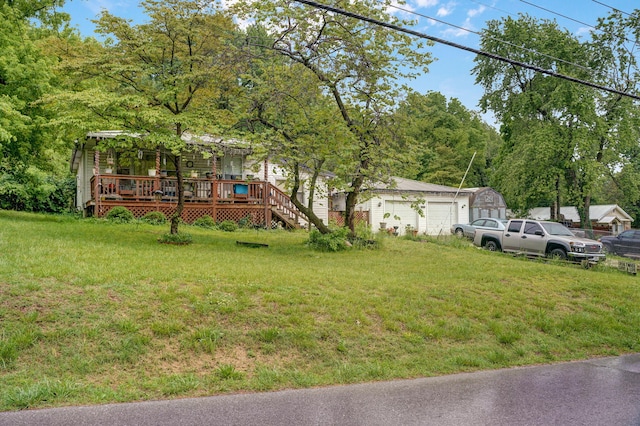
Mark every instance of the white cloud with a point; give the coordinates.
(473, 12)
(98, 6)
(426, 3)
(444, 11)
(459, 32)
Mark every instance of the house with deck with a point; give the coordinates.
(220, 180)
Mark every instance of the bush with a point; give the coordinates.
(31, 189)
(228, 226)
(205, 222)
(245, 222)
(154, 218)
(120, 214)
(335, 241)
(181, 238)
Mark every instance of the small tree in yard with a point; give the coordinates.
(156, 80)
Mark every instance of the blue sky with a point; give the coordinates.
(451, 73)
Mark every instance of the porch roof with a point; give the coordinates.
(228, 146)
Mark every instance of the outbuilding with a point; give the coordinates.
(406, 205)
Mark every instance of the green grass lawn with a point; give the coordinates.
(94, 312)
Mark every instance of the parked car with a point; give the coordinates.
(468, 230)
(537, 238)
(627, 243)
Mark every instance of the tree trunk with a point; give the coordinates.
(175, 217)
(308, 211)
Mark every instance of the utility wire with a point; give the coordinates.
(556, 13)
(579, 22)
(611, 7)
(526, 49)
(467, 48)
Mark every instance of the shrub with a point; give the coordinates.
(205, 222)
(120, 214)
(181, 238)
(245, 222)
(154, 218)
(31, 189)
(228, 226)
(334, 241)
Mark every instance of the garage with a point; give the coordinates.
(400, 214)
(440, 217)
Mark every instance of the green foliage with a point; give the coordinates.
(332, 242)
(245, 222)
(205, 222)
(154, 218)
(180, 238)
(228, 226)
(120, 214)
(304, 99)
(31, 189)
(446, 135)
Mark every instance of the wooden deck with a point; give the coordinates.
(257, 201)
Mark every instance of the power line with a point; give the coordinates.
(611, 7)
(575, 20)
(556, 13)
(526, 49)
(467, 48)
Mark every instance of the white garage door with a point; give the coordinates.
(440, 217)
(401, 214)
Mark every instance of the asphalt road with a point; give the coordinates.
(602, 391)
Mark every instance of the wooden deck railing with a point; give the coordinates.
(142, 188)
(152, 192)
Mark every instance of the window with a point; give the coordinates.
(531, 228)
(515, 225)
(627, 235)
(491, 224)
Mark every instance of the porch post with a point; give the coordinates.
(156, 183)
(214, 187)
(97, 181)
(267, 189)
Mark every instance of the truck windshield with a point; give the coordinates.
(556, 229)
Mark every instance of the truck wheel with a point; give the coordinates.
(558, 253)
(491, 245)
(607, 248)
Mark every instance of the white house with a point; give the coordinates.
(610, 218)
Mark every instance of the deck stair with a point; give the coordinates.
(283, 209)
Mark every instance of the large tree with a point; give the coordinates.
(446, 135)
(551, 153)
(615, 50)
(156, 80)
(33, 155)
(361, 66)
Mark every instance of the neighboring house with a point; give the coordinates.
(486, 202)
(220, 180)
(425, 207)
(608, 219)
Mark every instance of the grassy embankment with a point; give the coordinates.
(93, 312)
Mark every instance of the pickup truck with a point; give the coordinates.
(540, 238)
